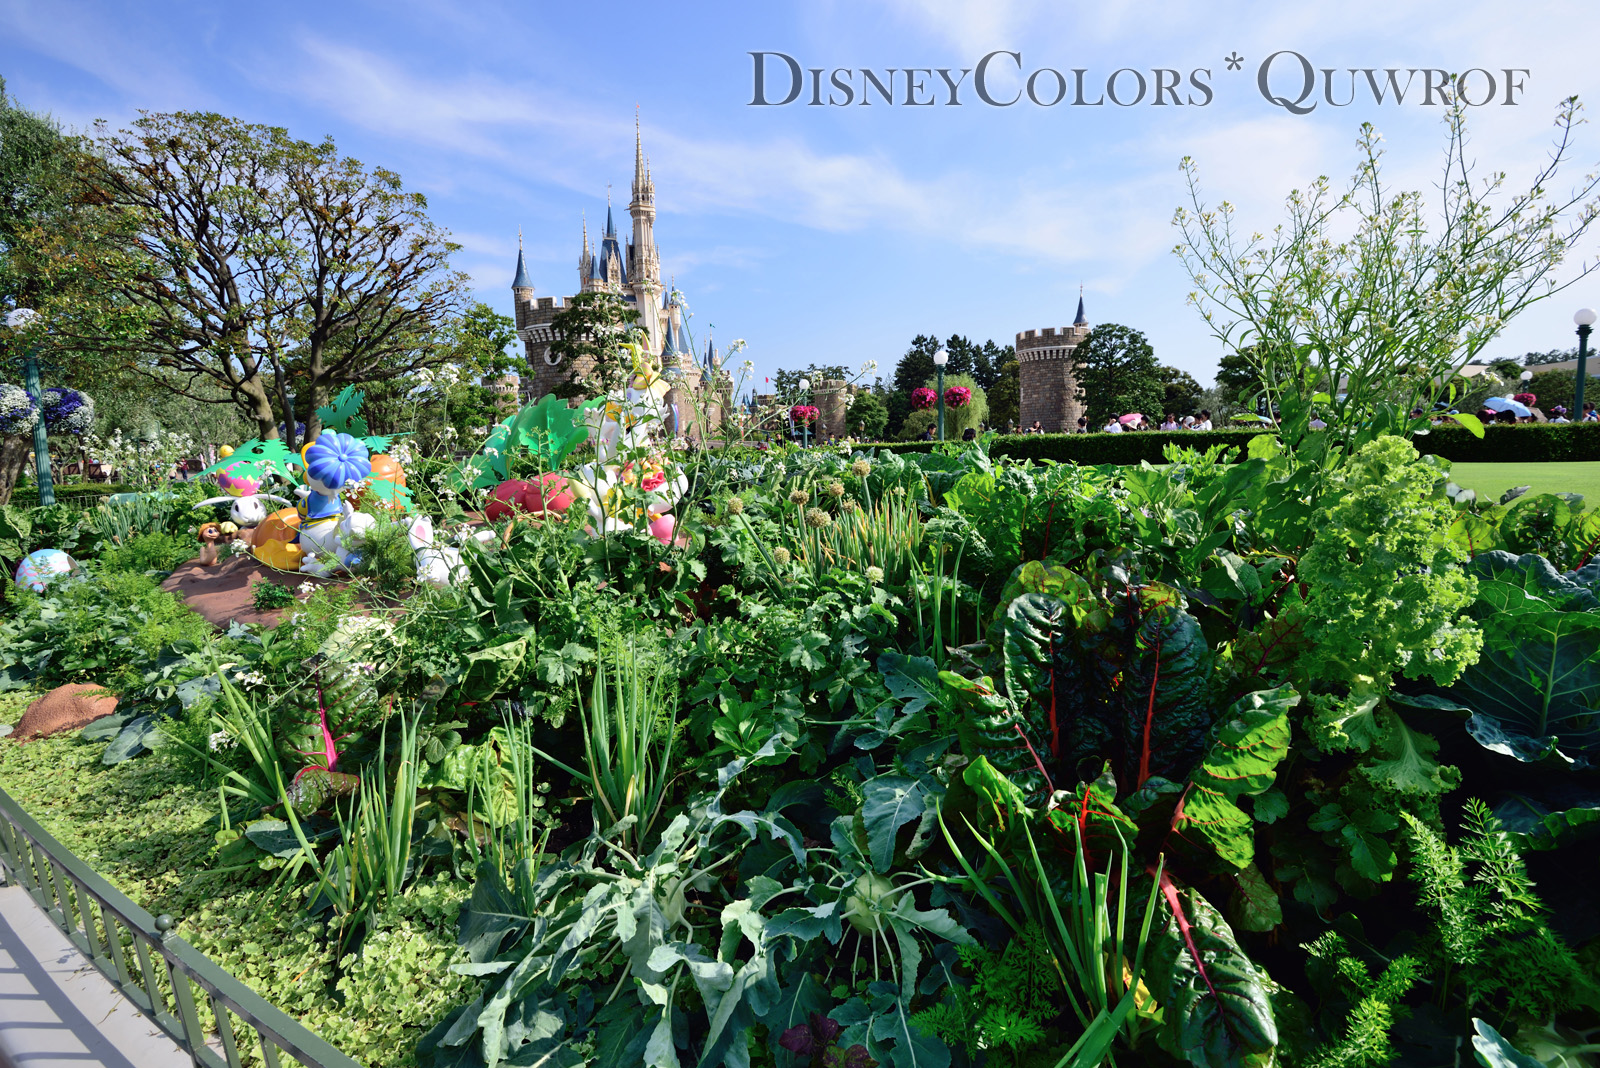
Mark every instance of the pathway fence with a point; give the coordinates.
(164, 976)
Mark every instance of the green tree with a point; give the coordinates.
(916, 366)
(897, 403)
(1005, 396)
(1180, 392)
(1117, 373)
(589, 335)
(867, 417)
(483, 347)
(786, 384)
(1236, 376)
(1534, 359)
(248, 264)
(39, 193)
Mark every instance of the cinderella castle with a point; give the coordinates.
(631, 270)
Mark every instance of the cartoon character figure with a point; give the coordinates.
(211, 536)
(241, 482)
(332, 462)
(329, 548)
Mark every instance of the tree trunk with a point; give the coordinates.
(15, 452)
(260, 407)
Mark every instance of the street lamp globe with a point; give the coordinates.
(17, 318)
(805, 384)
(941, 358)
(1584, 316)
(1526, 376)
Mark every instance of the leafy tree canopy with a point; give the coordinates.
(1117, 373)
(1181, 394)
(590, 333)
(243, 262)
(867, 417)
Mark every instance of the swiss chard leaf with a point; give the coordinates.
(1252, 738)
(1217, 1009)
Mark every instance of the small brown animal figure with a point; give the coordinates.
(210, 539)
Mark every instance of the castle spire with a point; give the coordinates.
(521, 281)
(640, 173)
(1082, 319)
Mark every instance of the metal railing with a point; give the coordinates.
(149, 965)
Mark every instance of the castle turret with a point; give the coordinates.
(521, 285)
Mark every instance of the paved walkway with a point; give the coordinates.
(57, 1010)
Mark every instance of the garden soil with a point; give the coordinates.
(65, 708)
(224, 594)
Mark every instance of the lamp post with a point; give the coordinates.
(1584, 317)
(805, 424)
(16, 319)
(941, 358)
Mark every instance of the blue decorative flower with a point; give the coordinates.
(68, 411)
(335, 459)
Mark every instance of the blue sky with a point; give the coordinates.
(831, 234)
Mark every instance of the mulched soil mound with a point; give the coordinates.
(65, 708)
(224, 593)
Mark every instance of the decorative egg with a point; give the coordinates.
(662, 528)
(553, 493)
(42, 567)
(506, 498)
(384, 467)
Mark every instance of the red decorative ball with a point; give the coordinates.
(923, 397)
(506, 499)
(958, 396)
(551, 494)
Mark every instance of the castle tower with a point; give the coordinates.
(644, 261)
(1049, 388)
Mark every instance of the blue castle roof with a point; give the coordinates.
(521, 281)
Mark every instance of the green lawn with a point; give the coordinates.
(1491, 480)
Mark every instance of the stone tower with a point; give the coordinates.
(1049, 389)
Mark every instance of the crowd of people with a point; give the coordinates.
(1118, 424)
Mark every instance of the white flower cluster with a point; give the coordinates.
(401, 453)
(220, 740)
(250, 680)
(145, 461)
(18, 413)
(435, 379)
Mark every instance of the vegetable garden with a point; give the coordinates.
(1274, 754)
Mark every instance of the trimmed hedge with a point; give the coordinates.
(1520, 443)
(81, 492)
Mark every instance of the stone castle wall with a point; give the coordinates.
(832, 398)
(1049, 390)
(533, 317)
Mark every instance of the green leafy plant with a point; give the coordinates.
(630, 730)
(1006, 1009)
(269, 596)
(373, 861)
(157, 551)
(1492, 945)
